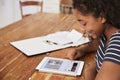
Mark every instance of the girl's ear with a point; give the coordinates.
(103, 19)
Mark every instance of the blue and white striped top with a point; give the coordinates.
(110, 52)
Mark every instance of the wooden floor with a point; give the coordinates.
(14, 65)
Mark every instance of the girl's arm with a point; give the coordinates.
(90, 72)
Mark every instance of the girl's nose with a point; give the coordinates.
(83, 30)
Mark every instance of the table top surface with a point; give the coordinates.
(14, 65)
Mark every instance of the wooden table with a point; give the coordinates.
(14, 65)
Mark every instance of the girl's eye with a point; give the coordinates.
(82, 22)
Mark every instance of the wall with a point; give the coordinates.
(9, 12)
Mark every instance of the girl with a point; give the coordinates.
(100, 20)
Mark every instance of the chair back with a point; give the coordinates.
(30, 7)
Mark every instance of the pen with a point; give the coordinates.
(68, 43)
(50, 42)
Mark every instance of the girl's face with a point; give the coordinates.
(91, 26)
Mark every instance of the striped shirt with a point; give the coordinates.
(110, 52)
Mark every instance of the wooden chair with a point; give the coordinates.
(66, 6)
(26, 3)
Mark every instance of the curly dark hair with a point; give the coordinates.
(110, 9)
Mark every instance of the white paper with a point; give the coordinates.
(63, 38)
(60, 66)
(74, 36)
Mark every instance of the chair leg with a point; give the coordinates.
(66, 9)
(70, 10)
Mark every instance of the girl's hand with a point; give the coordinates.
(74, 54)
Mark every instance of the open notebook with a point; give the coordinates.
(50, 42)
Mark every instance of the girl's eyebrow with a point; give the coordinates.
(79, 20)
